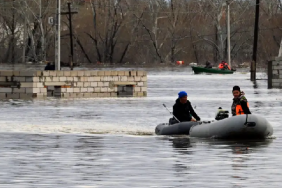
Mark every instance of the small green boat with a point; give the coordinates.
(198, 70)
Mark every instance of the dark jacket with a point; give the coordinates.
(240, 101)
(184, 112)
(49, 67)
(208, 65)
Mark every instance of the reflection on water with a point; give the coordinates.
(255, 84)
(235, 162)
(180, 142)
(123, 161)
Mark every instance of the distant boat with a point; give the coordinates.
(198, 70)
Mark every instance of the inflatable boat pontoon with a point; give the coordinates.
(244, 127)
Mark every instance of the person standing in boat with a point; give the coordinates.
(183, 110)
(240, 103)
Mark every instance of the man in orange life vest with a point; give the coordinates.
(224, 66)
(240, 103)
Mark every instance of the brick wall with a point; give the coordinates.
(275, 73)
(40, 84)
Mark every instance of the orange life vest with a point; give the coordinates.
(239, 109)
(220, 66)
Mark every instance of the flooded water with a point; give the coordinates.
(111, 142)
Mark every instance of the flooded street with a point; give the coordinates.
(110, 142)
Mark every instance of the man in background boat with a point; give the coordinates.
(50, 66)
(183, 110)
(224, 66)
(208, 65)
(240, 103)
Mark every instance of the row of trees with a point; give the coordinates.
(151, 31)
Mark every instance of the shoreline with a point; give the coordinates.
(40, 66)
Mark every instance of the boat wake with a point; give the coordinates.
(96, 129)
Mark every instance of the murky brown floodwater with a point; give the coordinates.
(111, 142)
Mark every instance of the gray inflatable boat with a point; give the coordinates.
(242, 127)
(175, 129)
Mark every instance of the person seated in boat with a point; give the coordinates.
(240, 103)
(224, 66)
(183, 110)
(208, 65)
(49, 66)
(221, 65)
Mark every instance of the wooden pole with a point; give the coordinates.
(58, 37)
(71, 39)
(256, 30)
(70, 13)
(228, 34)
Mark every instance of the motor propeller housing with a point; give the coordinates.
(221, 114)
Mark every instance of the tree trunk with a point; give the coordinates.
(280, 49)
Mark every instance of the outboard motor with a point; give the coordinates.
(221, 114)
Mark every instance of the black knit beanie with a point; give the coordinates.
(236, 88)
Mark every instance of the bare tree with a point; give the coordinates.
(118, 31)
(106, 30)
(35, 13)
(10, 31)
(151, 26)
(182, 14)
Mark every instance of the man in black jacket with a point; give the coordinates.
(183, 110)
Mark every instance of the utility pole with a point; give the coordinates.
(71, 42)
(43, 49)
(69, 13)
(13, 32)
(24, 34)
(256, 30)
(58, 37)
(228, 33)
